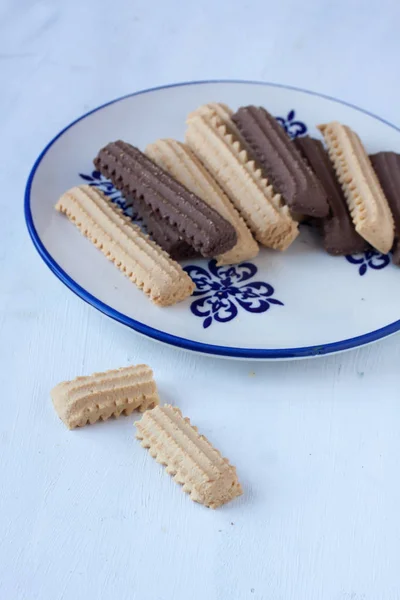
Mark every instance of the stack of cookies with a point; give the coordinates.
(238, 181)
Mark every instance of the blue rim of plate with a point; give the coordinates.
(179, 342)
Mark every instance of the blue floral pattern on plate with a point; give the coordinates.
(292, 126)
(370, 259)
(96, 179)
(226, 289)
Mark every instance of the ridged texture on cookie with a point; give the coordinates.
(163, 233)
(139, 258)
(367, 203)
(133, 172)
(223, 112)
(181, 163)
(282, 164)
(243, 182)
(85, 400)
(188, 456)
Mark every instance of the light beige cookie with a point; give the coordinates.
(85, 400)
(368, 206)
(181, 163)
(220, 108)
(122, 242)
(188, 456)
(223, 112)
(227, 161)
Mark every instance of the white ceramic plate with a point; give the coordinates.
(296, 304)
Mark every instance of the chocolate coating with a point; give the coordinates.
(134, 173)
(163, 233)
(396, 253)
(338, 232)
(281, 162)
(387, 168)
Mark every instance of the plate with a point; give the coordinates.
(296, 304)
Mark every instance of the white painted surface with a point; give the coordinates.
(88, 515)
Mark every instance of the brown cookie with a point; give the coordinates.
(281, 162)
(134, 173)
(338, 232)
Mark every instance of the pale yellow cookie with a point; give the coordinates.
(223, 112)
(85, 400)
(367, 204)
(188, 456)
(225, 158)
(181, 163)
(122, 242)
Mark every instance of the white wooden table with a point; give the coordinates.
(87, 514)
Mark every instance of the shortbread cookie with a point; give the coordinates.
(223, 112)
(181, 163)
(188, 456)
(338, 233)
(242, 181)
(133, 172)
(368, 206)
(140, 259)
(86, 400)
(282, 164)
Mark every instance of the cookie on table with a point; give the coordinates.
(188, 456)
(85, 400)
